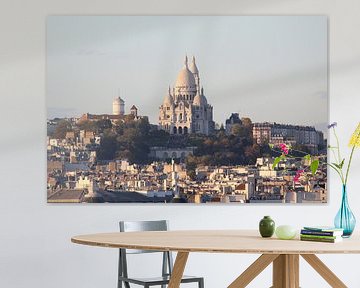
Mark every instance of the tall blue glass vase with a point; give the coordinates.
(345, 219)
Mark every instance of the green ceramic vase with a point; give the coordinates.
(267, 227)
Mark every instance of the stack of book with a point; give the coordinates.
(321, 234)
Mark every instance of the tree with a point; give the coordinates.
(87, 125)
(61, 128)
(191, 167)
(246, 122)
(241, 130)
(108, 148)
(133, 140)
(102, 125)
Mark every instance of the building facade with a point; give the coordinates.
(185, 109)
(165, 153)
(274, 133)
(231, 121)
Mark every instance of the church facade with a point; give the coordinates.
(185, 109)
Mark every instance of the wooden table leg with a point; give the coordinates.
(286, 271)
(324, 271)
(178, 270)
(293, 262)
(253, 270)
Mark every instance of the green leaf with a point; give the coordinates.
(342, 164)
(276, 162)
(314, 166)
(271, 146)
(336, 165)
(339, 166)
(307, 157)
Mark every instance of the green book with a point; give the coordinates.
(319, 236)
(325, 240)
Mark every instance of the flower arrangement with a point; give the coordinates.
(285, 154)
(344, 219)
(339, 163)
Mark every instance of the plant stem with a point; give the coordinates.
(337, 171)
(338, 149)
(337, 142)
(333, 152)
(348, 166)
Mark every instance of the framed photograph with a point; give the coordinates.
(187, 109)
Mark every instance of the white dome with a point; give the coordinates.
(199, 100)
(185, 79)
(168, 100)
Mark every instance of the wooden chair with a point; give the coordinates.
(167, 262)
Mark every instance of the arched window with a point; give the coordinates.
(180, 130)
(174, 130)
(174, 155)
(180, 117)
(185, 130)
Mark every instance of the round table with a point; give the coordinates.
(284, 254)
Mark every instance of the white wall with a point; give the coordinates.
(35, 248)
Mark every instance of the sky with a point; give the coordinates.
(268, 68)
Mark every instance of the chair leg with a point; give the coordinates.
(201, 283)
(120, 273)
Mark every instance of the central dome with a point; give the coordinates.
(185, 79)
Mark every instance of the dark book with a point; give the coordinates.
(321, 233)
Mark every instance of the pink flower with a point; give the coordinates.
(298, 175)
(284, 148)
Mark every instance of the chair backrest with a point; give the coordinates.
(137, 226)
